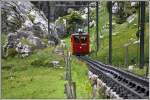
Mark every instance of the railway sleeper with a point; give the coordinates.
(125, 94)
(147, 93)
(139, 89)
(107, 79)
(124, 73)
(114, 88)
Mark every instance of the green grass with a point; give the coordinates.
(124, 32)
(34, 83)
(83, 86)
(3, 39)
(139, 71)
(22, 79)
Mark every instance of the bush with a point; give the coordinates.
(11, 52)
(72, 19)
(125, 11)
(43, 63)
(31, 17)
(120, 20)
(42, 58)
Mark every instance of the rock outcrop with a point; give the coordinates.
(22, 20)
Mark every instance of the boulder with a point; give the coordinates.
(22, 49)
(36, 41)
(131, 18)
(61, 30)
(22, 33)
(63, 44)
(39, 30)
(52, 43)
(91, 24)
(28, 23)
(115, 8)
(133, 3)
(12, 40)
(84, 16)
(130, 68)
(26, 49)
(55, 63)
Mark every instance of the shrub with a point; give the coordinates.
(72, 19)
(31, 17)
(11, 52)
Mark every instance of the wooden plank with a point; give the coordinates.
(70, 90)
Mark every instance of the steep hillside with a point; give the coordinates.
(122, 34)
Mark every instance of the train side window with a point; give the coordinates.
(77, 38)
(83, 39)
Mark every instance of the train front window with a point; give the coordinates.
(83, 39)
(77, 38)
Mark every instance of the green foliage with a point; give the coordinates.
(3, 38)
(72, 19)
(45, 40)
(120, 20)
(31, 17)
(138, 71)
(11, 52)
(44, 58)
(125, 32)
(25, 41)
(125, 11)
(41, 80)
(93, 15)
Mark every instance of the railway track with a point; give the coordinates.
(125, 84)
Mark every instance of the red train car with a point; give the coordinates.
(80, 43)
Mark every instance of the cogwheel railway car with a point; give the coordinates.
(80, 43)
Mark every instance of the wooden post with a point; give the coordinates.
(142, 25)
(97, 34)
(70, 90)
(11, 72)
(88, 18)
(66, 67)
(147, 71)
(110, 32)
(48, 4)
(126, 55)
(70, 87)
(69, 65)
(94, 91)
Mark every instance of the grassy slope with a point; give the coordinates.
(41, 80)
(124, 32)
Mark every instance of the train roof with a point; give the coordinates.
(83, 33)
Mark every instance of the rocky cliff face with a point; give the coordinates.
(26, 23)
(16, 15)
(56, 12)
(22, 20)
